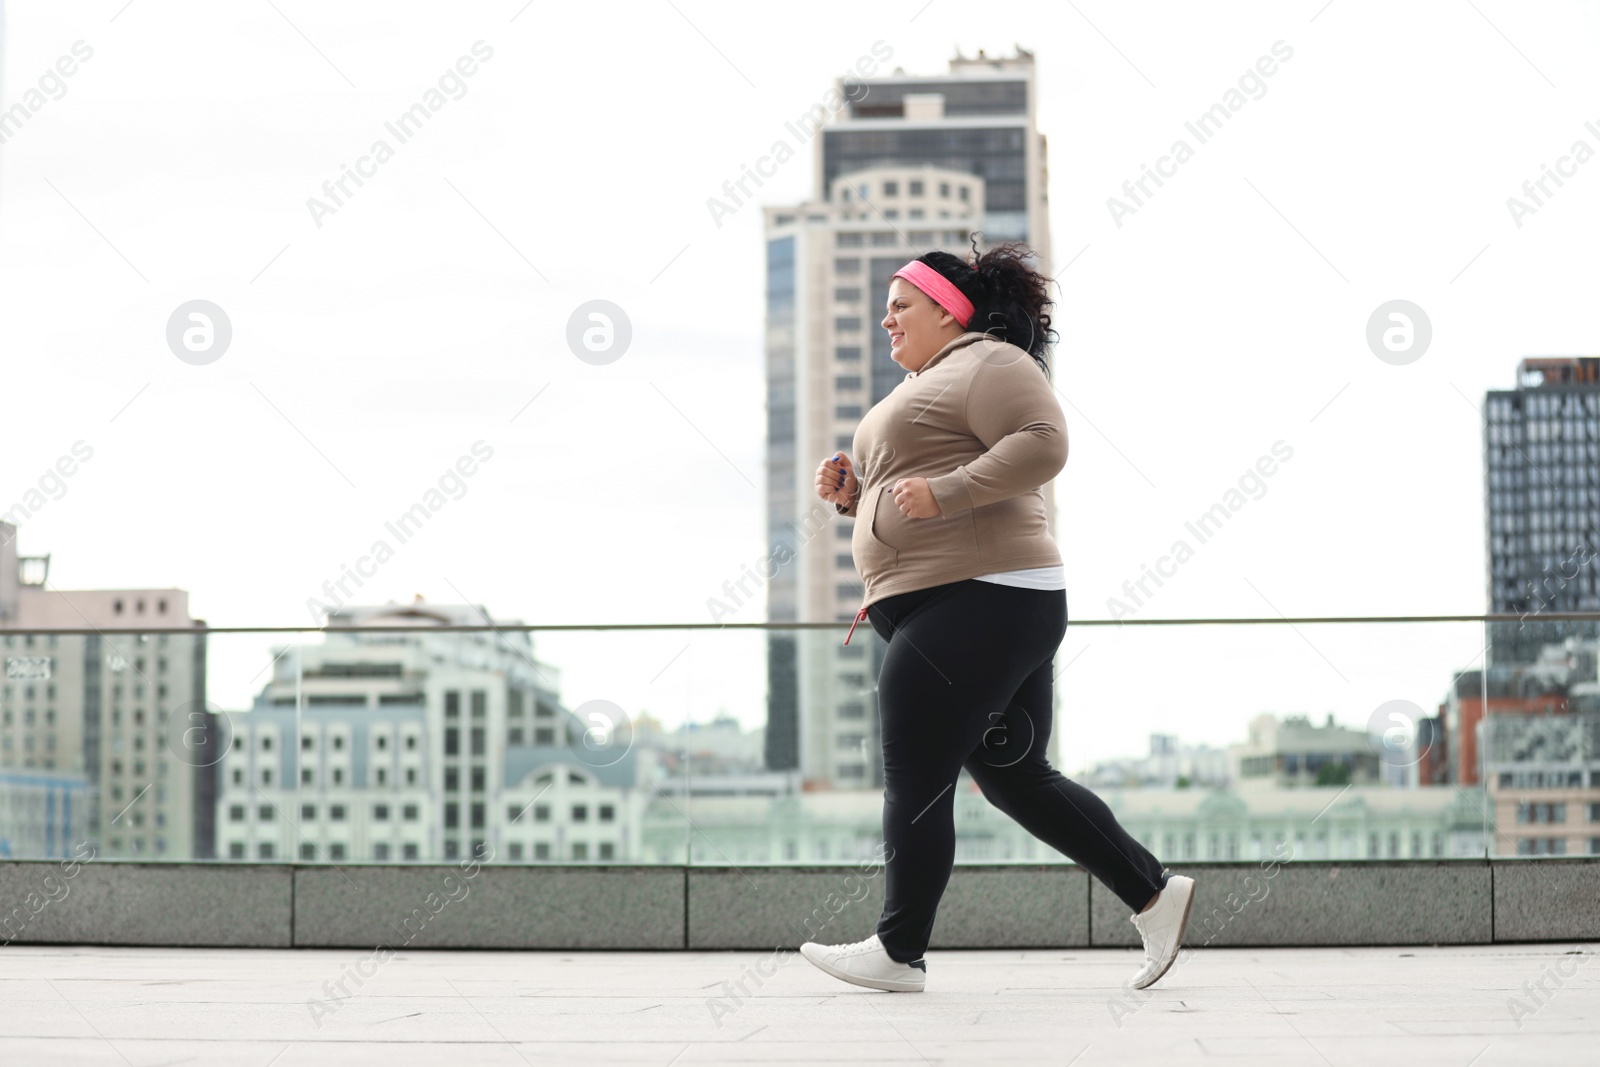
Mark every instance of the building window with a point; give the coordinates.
(452, 704)
(607, 850)
(452, 815)
(848, 353)
(847, 266)
(847, 411)
(380, 813)
(336, 851)
(308, 851)
(1542, 846)
(409, 813)
(236, 813)
(264, 813)
(380, 851)
(516, 850)
(452, 741)
(236, 850)
(1529, 812)
(541, 850)
(308, 812)
(336, 812)
(580, 813)
(580, 850)
(847, 382)
(847, 324)
(264, 850)
(914, 187)
(847, 294)
(410, 850)
(541, 813)
(452, 778)
(607, 813)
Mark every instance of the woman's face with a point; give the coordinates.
(917, 326)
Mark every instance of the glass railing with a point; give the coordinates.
(749, 744)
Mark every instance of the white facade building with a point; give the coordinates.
(419, 746)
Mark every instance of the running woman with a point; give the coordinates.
(965, 584)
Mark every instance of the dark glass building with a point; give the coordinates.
(1541, 451)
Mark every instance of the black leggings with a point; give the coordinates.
(966, 682)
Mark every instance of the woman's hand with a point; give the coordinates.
(915, 499)
(836, 480)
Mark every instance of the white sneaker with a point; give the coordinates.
(1162, 929)
(867, 963)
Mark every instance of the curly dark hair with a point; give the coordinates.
(1009, 297)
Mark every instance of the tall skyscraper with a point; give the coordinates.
(1542, 492)
(913, 163)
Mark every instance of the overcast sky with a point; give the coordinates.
(376, 339)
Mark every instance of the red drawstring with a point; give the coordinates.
(860, 616)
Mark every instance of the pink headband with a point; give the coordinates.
(942, 291)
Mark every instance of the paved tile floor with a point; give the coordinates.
(1476, 1006)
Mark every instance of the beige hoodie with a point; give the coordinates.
(981, 423)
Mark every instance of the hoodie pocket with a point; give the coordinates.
(873, 555)
(936, 541)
